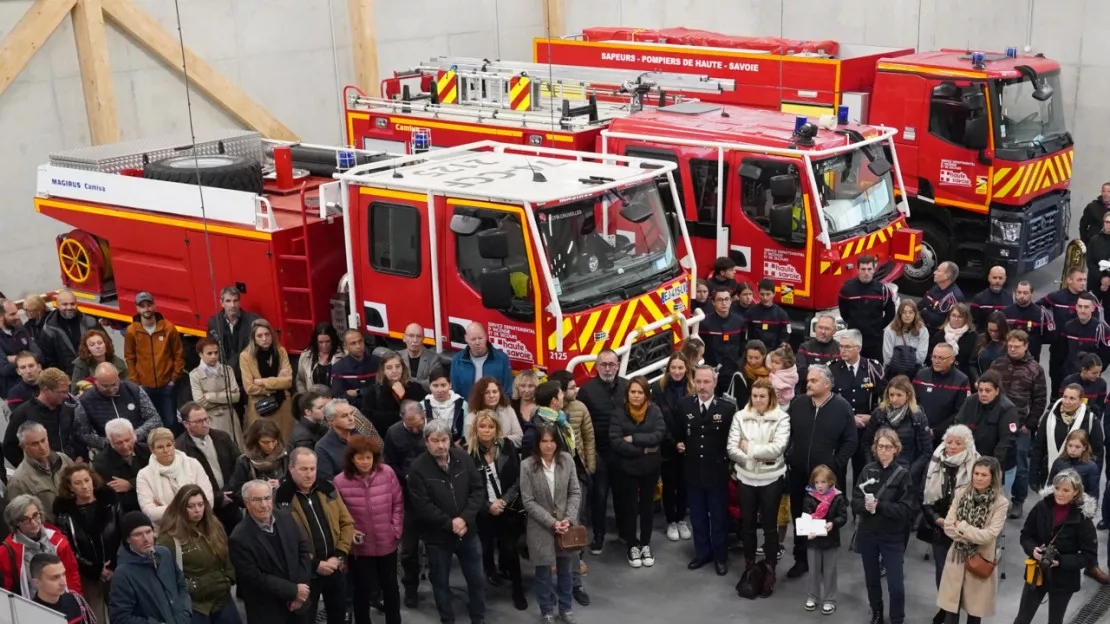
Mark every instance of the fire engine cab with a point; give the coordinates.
(985, 149)
(557, 253)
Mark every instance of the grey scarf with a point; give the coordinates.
(32, 547)
(895, 415)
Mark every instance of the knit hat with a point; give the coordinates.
(133, 520)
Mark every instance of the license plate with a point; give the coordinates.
(674, 292)
(1040, 263)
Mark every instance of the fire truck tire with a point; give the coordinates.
(236, 173)
(935, 248)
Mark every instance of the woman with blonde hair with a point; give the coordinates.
(905, 341)
(267, 378)
(197, 540)
(899, 412)
(168, 471)
(959, 333)
(523, 399)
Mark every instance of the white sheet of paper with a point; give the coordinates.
(808, 525)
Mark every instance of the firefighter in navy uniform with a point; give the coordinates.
(1090, 379)
(707, 421)
(1061, 304)
(994, 297)
(860, 381)
(723, 333)
(941, 297)
(767, 322)
(1086, 333)
(820, 349)
(1031, 318)
(867, 305)
(941, 390)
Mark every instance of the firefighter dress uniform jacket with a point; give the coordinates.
(1061, 304)
(867, 307)
(1034, 320)
(940, 395)
(707, 463)
(1094, 392)
(811, 352)
(936, 303)
(1090, 337)
(770, 325)
(988, 301)
(863, 388)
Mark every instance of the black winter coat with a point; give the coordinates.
(93, 534)
(400, 449)
(667, 398)
(1098, 248)
(439, 496)
(993, 426)
(938, 509)
(109, 465)
(965, 359)
(897, 502)
(604, 402)
(267, 571)
(307, 433)
(642, 455)
(383, 408)
(821, 435)
(913, 431)
(1091, 221)
(1039, 460)
(1075, 539)
(838, 515)
(59, 424)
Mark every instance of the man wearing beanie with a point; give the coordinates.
(147, 586)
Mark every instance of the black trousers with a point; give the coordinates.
(872, 348)
(499, 536)
(1057, 356)
(859, 460)
(761, 503)
(797, 484)
(634, 497)
(334, 590)
(410, 552)
(1031, 598)
(674, 489)
(381, 573)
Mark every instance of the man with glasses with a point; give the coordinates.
(940, 390)
(148, 585)
(111, 398)
(39, 474)
(273, 567)
(54, 410)
(217, 453)
(866, 304)
(860, 381)
(604, 399)
(723, 333)
(820, 349)
(1024, 383)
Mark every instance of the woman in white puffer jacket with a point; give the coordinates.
(757, 443)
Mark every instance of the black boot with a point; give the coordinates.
(877, 616)
(939, 617)
(519, 601)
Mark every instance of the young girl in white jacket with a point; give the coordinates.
(757, 443)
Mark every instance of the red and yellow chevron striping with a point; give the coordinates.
(1032, 177)
(520, 93)
(447, 87)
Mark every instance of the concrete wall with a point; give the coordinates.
(281, 52)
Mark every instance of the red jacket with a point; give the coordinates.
(12, 552)
(377, 505)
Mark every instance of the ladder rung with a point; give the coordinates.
(296, 290)
(292, 257)
(295, 321)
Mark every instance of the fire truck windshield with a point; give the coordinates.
(1025, 121)
(854, 198)
(611, 246)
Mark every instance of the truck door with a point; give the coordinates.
(393, 262)
(958, 130)
(490, 276)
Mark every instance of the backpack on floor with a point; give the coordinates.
(751, 581)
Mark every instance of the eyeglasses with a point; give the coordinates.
(606, 364)
(260, 499)
(723, 299)
(200, 421)
(941, 358)
(848, 346)
(885, 447)
(35, 517)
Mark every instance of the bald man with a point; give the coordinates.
(419, 360)
(995, 297)
(479, 359)
(110, 397)
(62, 331)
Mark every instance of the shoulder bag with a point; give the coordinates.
(264, 406)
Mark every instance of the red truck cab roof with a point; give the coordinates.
(997, 65)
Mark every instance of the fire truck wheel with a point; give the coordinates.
(237, 173)
(935, 248)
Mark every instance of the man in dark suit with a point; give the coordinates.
(860, 381)
(217, 454)
(272, 564)
(121, 460)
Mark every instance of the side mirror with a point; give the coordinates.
(636, 212)
(976, 132)
(496, 287)
(879, 167)
(465, 225)
(782, 222)
(1043, 91)
(783, 189)
(493, 244)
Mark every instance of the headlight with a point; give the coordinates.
(1005, 231)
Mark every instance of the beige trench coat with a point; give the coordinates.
(978, 594)
(218, 395)
(283, 417)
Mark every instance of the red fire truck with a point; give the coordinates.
(984, 146)
(798, 205)
(557, 253)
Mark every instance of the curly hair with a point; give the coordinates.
(476, 401)
(83, 347)
(65, 490)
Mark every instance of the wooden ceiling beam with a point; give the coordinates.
(148, 33)
(554, 18)
(96, 71)
(29, 35)
(364, 46)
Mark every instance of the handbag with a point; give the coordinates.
(573, 540)
(752, 580)
(979, 566)
(266, 405)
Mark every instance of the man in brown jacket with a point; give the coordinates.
(1024, 383)
(152, 349)
(327, 527)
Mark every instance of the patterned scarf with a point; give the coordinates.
(896, 414)
(559, 419)
(824, 501)
(973, 509)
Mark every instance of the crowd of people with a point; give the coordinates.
(290, 486)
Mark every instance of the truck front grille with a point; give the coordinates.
(650, 350)
(1043, 232)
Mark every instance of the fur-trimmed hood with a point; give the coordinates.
(1089, 506)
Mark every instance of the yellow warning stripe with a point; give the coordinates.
(1030, 174)
(1005, 190)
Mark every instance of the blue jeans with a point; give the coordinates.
(164, 401)
(891, 552)
(1019, 489)
(228, 614)
(469, 551)
(709, 516)
(559, 595)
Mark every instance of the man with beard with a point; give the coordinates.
(995, 297)
(1037, 322)
(867, 305)
(1061, 304)
(604, 399)
(62, 331)
(152, 349)
(939, 299)
(1085, 333)
(14, 339)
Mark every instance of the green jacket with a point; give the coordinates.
(208, 577)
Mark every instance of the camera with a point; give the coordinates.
(1049, 556)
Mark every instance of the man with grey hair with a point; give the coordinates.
(822, 431)
(861, 382)
(941, 389)
(120, 462)
(447, 492)
(821, 348)
(40, 471)
(604, 399)
(340, 416)
(109, 398)
(62, 330)
(939, 299)
(231, 327)
(273, 568)
(404, 442)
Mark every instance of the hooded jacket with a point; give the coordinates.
(153, 360)
(1076, 539)
(57, 347)
(149, 589)
(1042, 452)
(768, 439)
(1024, 383)
(453, 410)
(1091, 221)
(994, 427)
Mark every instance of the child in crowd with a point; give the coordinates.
(784, 374)
(824, 502)
(724, 276)
(693, 349)
(1078, 456)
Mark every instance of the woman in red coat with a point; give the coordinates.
(30, 537)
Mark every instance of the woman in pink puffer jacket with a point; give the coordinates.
(372, 493)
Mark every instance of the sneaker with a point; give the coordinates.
(595, 546)
(568, 618)
(645, 556)
(547, 619)
(634, 557)
(828, 608)
(782, 552)
(759, 551)
(811, 604)
(684, 530)
(672, 531)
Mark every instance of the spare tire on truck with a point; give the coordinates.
(237, 173)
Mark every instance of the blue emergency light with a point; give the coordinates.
(976, 58)
(344, 159)
(842, 116)
(799, 121)
(1011, 52)
(421, 140)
